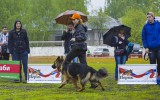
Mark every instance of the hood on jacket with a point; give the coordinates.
(15, 24)
(85, 28)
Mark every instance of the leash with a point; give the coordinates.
(146, 54)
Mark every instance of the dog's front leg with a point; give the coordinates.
(65, 81)
(81, 84)
(100, 85)
(74, 81)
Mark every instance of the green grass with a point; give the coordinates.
(21, 91)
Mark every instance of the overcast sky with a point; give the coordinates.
(96, 4)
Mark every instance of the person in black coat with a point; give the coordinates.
(120, 43)
(18, 45)
(78, 45)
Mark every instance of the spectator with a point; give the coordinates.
(19, 47)
(120, 53)
(67, 35)
(151, 39)
(4, 43)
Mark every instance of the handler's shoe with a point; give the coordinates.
(16, 81)
(25, 81)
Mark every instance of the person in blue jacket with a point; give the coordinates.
(151, 40)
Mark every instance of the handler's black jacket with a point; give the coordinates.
(18, 41)
(79, 34)
(116, 44)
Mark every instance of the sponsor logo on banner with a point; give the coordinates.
(4, 68)
(43, 74)
(137, 74)
(10, 69)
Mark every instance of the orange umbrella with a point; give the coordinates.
(64, 18)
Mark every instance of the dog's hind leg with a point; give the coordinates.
(100, 85)
(81, 86)
(83, 81)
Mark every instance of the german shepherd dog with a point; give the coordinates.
(77, 72)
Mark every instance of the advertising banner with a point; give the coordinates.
(10, 69)
(137, 74)
(42, 73)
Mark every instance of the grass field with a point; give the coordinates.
(113, 91)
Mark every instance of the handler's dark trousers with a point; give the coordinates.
(76, 53)
(82, 58)
(23, 58)
(154, 57)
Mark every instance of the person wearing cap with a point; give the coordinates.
(18, 44)
(151, 40)
(78, 45)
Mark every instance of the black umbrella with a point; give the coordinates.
(108, 36)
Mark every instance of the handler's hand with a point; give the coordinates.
(120, 42)
(73, 39)
(146, 50)
(67, 30)
(123, 37)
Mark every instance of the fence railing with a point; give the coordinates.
(45, 43)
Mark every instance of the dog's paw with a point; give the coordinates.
(60, 86)
(80, 90)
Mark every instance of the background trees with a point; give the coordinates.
(132, 13)
(37, 16)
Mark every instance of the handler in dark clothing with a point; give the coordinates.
(18, 44)
(79, 47)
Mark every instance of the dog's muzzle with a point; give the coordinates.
(54, 67)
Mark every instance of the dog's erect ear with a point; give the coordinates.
(61, 57)
(58, 58)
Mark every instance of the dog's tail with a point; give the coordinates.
(102, 72)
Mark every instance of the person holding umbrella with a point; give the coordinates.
(120, 43)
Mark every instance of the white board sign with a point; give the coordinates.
(137, 74)
(43, 74)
